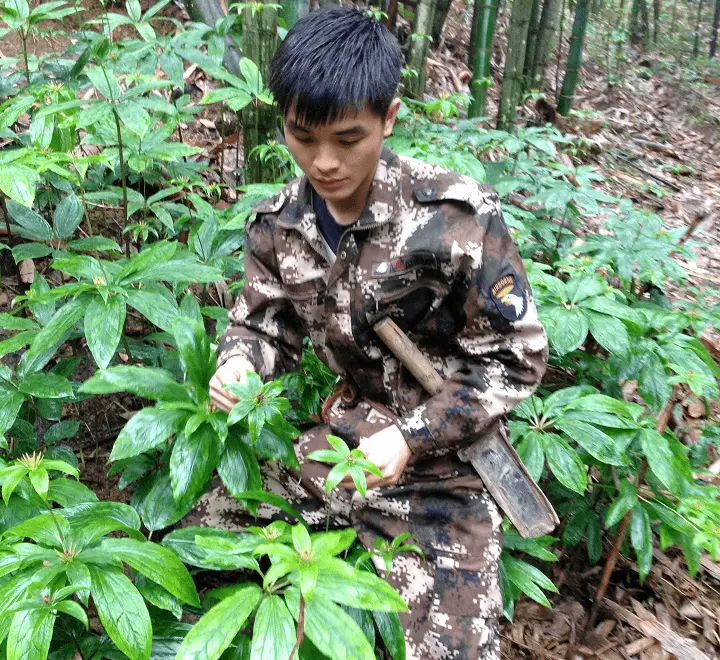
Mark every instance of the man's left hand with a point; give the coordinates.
(389, 451)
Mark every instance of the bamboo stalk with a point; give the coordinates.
(531, 45)
(574, 57)
(517, 44)
(546, 32)
(419, 48)
(716, 26)
(484, 19)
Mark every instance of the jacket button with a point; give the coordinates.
(426, 192)
(343, 255)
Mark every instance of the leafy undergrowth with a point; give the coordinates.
(125, 318)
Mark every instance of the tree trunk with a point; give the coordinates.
(514, 60)
(441, 12)
(260, 121)
(716, 25)
(574, 57)
(696, 45)
(546, 34)
(656, 20)
(292, 11)
(419, 47)
(531, 46)
(484, 18)
(673, 24)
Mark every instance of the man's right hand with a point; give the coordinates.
(232, 371)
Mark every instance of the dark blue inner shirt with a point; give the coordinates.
(330, 229)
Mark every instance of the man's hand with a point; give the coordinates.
(232, 371)
(389, 451)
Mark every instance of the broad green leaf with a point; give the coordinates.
(535, 547)
(61, 431)
(31, 225)
(138, 267)
(68, 216)
(392, 633)
(274, 630)
(45, 386)
(653, 383)
(593, 440)
(606, 404)
(105, 82)
(193, 344)
(10, 403)
(73, 609)
(153, 498)
(609, 332)
(660, 458)
(215, 631)
(40, 481)
(155, 594)
(567, 330)
(147, 429)
(239, 468)
(42, 529)
(531, 580)
(79, 574)
(339, 582)
(622, 504)
(19, 182)
(192, 462)
(30, 251)
(30, 635)
(11, 477)
(53, 334)
(147, 382)
(68, 493)
(670, 517)
(182, 542)
(156, 304)
(157, 563)
(10, 322)
(104, 323)
(331, 629)
(553, 404)
(565, 463)
(642, 540)
(530, 450)
(122, 611)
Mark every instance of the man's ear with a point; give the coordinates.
(390, 117)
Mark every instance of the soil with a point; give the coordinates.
(640, 136)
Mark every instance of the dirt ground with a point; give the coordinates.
(640, 135)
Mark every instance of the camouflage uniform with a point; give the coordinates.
(431, 251)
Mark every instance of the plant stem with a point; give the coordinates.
(662, 423)
(57, 526)
(127, 348)
(122, 178)
(24, 36)
(300, 628)
(329, 509)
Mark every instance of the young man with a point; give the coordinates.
(365, 235)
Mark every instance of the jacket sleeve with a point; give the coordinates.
(501, 351)
(264, 327)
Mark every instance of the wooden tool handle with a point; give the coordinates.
(405, 351)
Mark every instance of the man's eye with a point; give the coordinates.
(348, 143)
(302, 140)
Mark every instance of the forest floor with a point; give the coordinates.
(654, 140)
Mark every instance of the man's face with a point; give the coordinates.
(340, 158)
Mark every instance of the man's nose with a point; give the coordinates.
(326, 161)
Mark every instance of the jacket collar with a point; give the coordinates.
(380, 208)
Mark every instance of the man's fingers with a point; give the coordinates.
(222, 401)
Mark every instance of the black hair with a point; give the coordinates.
(334, 61)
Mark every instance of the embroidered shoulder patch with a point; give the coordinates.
(509, 298)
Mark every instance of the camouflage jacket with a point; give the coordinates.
(431, 251)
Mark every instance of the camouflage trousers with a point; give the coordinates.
(453, 592)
